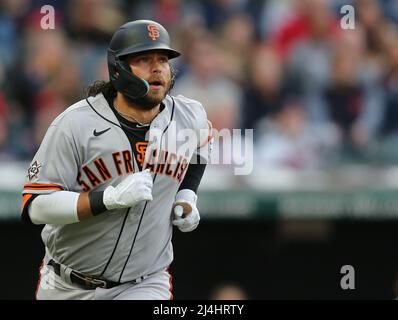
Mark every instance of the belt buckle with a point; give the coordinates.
(96, 282)
(91, 282)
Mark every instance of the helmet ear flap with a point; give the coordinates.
(127, 82)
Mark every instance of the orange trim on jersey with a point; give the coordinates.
(209, 136)
(171, 284)
(25, 199)
(42, 186)
(38, 281)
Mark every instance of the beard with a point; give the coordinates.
(150, 100)
(146, 102)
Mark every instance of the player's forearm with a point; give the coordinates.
(83, 207)
(90, 204)
(65, 207)
(56, 208)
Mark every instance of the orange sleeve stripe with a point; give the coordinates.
(209, 136)
(25, 199)
(42, 186)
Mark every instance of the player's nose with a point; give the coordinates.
(156, 66)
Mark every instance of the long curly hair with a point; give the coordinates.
(100, 86)
(109, 91)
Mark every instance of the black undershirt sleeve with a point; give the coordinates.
(193, 176)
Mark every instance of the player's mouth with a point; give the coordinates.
(156, 84)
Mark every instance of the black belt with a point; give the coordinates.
(84, 281)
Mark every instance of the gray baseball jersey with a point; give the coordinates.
(85, 149)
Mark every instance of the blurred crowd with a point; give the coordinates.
(315, 94)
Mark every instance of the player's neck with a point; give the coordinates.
(135, 112)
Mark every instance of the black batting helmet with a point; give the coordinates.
(134, 37)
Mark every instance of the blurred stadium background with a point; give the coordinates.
(323, 103)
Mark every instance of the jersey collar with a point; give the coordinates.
(101, 106)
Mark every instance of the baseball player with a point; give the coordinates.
(111, 177)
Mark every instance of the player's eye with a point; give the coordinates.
(164, 59)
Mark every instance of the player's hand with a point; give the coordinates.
(133, 189)
(186, 214)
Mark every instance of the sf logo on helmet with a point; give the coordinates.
(153, 31)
